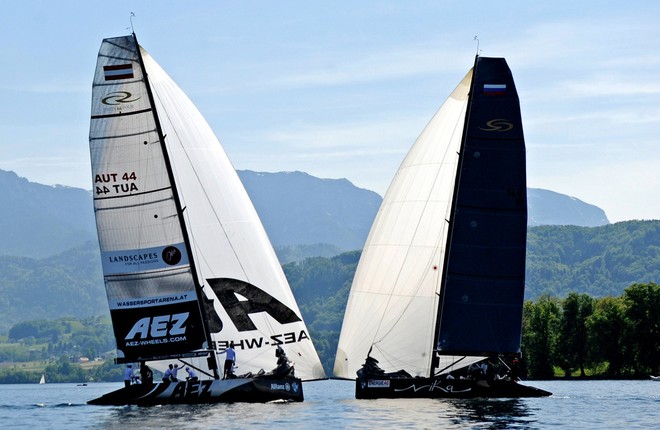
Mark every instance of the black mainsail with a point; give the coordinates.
(484, 280)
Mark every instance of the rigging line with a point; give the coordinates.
(395, 360)
(131, 18)
(440, 236)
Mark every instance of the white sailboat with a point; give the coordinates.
(43, 379)
(187, 265)
(440, 282)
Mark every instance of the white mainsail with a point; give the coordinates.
(393, 302)
(227, 236)
(227, 240)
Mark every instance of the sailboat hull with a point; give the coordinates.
(432, 388)
(253, 390)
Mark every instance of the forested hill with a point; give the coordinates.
(39, 220)
(599, 261)
(69, 284)
(300, 209)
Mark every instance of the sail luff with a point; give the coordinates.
(450, 223)
(179, 209)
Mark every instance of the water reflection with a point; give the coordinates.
(236, 415)
(331, 405)
(332, 408)
(489, 413)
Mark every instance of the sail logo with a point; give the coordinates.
(171, 255)
(253, 301)
(497, 125)
(285, 387)
(192, 390)
(159, 327)
(118, 98)
(143, 259)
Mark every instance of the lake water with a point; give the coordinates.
(331, 405)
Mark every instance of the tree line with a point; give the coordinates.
(610, 337)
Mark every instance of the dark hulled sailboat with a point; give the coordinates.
(440, 283)
(187, 265)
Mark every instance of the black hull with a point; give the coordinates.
(254, 390)
(432, 388)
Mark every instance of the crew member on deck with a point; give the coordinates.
(192, 376)
(167, 376)
(128, 375)
(175, 371)
(146, 375)
(230, 360)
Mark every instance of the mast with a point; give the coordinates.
(213, 363)
(450, 221)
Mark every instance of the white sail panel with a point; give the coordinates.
(230, 246)
(393, 302)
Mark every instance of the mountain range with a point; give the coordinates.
(51, 265)
(320, 216)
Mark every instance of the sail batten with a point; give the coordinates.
(112, 115)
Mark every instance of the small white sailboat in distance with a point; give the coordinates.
(43, 379)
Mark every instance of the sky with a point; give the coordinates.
(341, 89)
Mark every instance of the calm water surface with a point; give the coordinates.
(330, 405)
